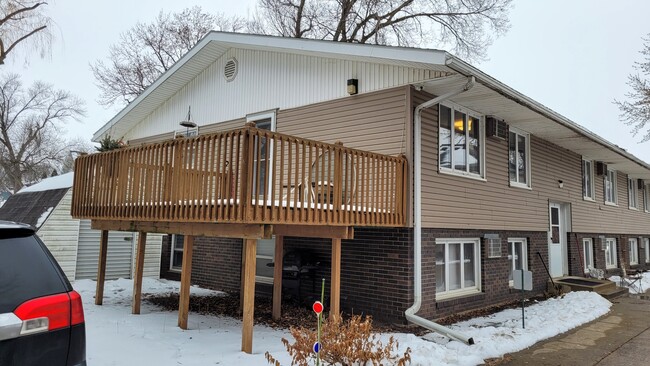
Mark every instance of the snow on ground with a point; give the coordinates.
(637, 287)
(116, 337)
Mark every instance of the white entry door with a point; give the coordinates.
(556, 241)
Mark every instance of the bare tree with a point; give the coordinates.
(30, 130)
(636, 111)
(463, 26)
(22, 20)
(147, 50)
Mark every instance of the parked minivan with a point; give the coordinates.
(41, 316)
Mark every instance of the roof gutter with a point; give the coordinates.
(466, 69)
(410, 313)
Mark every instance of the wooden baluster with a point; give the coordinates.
(338, 182)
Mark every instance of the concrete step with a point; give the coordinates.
(616, 292)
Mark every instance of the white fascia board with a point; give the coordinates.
(289, 45)
(460, 66)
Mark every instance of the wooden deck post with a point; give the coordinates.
(335, 286)
(242, 277)
(137, 276)
(101, 268)
(277, 277)
(250, 247)
(186, 275)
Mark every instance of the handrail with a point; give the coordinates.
(246, 175)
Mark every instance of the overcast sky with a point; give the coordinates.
(572, 56)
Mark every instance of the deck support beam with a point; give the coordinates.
(335, 286)
(101, 268)
(186, 276)
(277, 277)
(250, 248)
(137, 276)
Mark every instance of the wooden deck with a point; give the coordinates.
(247, 183)
(244, 176)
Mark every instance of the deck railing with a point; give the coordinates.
(247, 175)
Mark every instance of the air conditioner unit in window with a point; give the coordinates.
(188, 132)
(496, 128)
(601, 168)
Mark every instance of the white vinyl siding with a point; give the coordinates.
(519, 158)
(588, 180)
(518, 255)
(458, 267)
(631, 193)
(587, 254)
(610, 188)
(610, 253)
(633, 248)
(60, 233)
(461, 142)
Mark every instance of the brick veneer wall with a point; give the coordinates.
(495, 287)
(376, 269)
(622, 253)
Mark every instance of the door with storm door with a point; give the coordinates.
(556, 241)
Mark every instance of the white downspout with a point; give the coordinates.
(417, 221)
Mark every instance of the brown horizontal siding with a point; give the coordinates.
(374, 121)
(457, 202)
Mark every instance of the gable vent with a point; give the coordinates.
(230, 70)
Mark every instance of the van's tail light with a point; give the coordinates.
(50, 313)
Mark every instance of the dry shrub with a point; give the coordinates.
(343, 343)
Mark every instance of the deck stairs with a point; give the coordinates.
(605, 288)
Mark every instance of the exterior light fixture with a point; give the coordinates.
(560, 184)
(187, 123)
(353, 86)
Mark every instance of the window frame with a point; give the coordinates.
(632, 194)
(265, 116)
(608, 248)
(646, 197)
(481, 121)
(614, 187)
(591, 181)
(264, 279)
(587, 247)
(173, 249)
(633, 251)
(646, 247)
(517, 132)
(463, 291)
(512, 242)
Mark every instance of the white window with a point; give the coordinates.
(518, 255)
(458, 267)
(610, 187)
(176, 260)
(264, 153)
(265, 255)
(646, 198)
(610, 253)
(646, 246)
(631, 193)
(588, 180)
(587, 254)
(519, 158)
(634, 251)
(461, 139)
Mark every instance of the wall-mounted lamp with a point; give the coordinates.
(353, 86)
(560, 183)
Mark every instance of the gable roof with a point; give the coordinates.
(32, 208)
(33, 205)
(489, 96)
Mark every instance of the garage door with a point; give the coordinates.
(120, 253)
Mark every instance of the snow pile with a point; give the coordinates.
(116, 337)
(43, 217)
(636, 287)
(57, 182)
